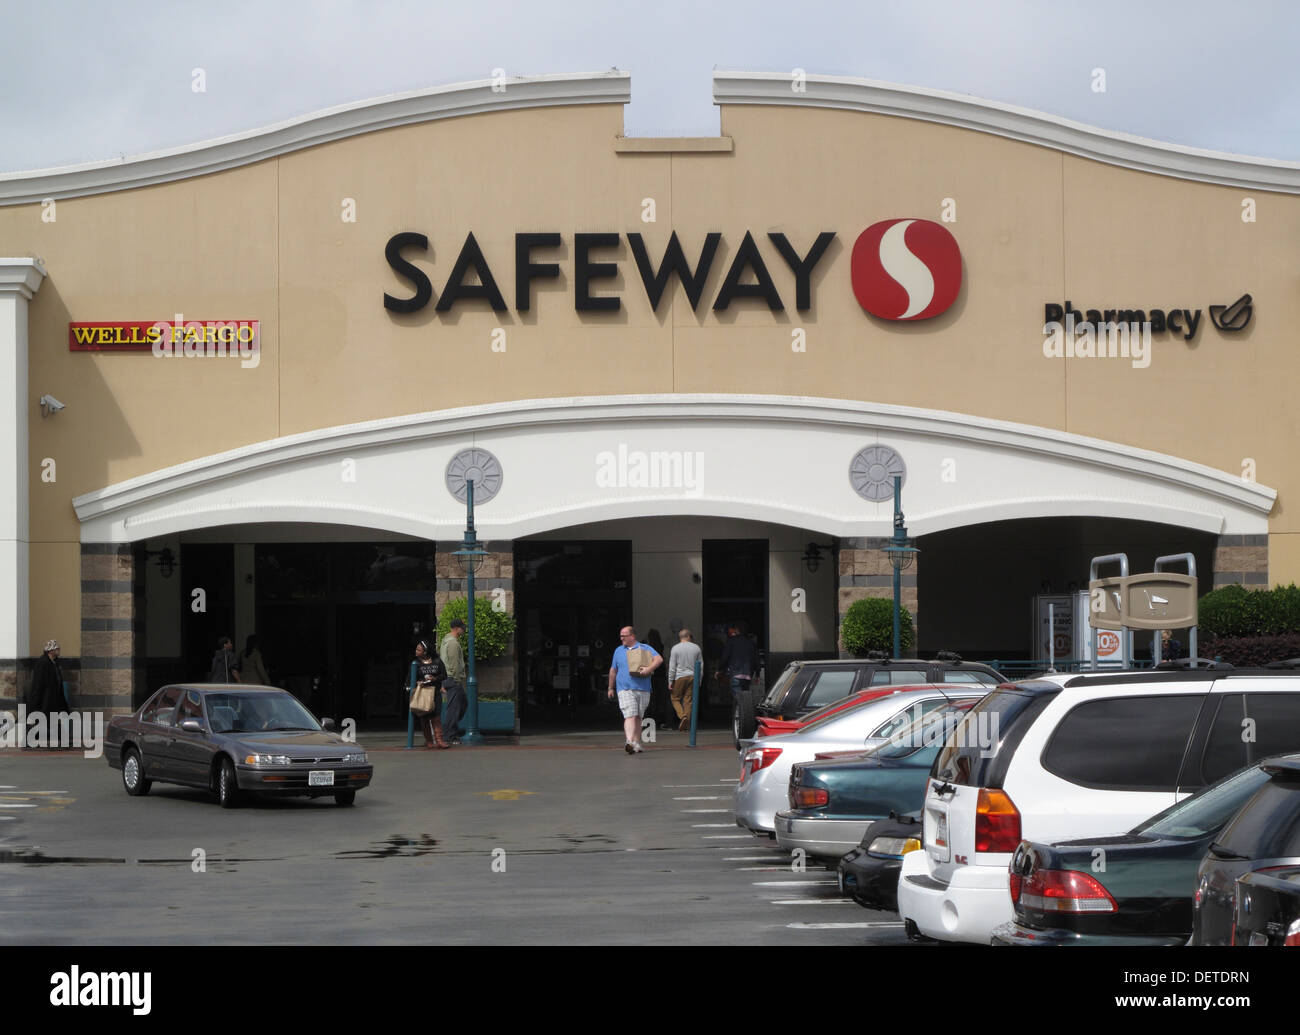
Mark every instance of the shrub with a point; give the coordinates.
(492, 628)
(1251, 651)
(1237, 611)
(869, 625)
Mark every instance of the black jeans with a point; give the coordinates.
(456, 705)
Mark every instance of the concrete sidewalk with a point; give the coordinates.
(611, 739)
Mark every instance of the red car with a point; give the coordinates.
(778, 727)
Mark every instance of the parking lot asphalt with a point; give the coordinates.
(561, 839)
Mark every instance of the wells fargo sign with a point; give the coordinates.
(179, 337)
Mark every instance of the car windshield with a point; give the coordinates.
(257, 713)
(927, 731)
(1207, 810)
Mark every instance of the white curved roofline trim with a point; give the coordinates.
(1005, 120)
(319, 127)
(464, 423)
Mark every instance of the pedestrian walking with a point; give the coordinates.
(252, 669)
(46, 694)
(454, 658)
(629, 675)
(739, 660)
(426, 700)
(225, 664)
(681, 675)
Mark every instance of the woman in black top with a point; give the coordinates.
(430, 671)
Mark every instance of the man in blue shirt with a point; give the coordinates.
(632, 682)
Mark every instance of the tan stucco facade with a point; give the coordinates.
(267, 241)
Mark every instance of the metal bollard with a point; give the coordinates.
(695, 699)
(410, 715)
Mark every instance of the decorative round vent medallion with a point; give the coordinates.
(872, 473)
(482, 467)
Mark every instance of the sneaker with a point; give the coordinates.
(686, 723)
(636, 749)
(629, 748)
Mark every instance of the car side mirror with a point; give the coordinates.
(327, 725)
(192, 726)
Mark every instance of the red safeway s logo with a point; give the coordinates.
(906, 269)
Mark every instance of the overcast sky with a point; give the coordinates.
(85, 81)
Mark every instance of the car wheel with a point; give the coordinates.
(914, 933)
(133, 778)
(344, 797)
(744, 722)
(227, 785)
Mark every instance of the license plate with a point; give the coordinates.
(320, 778)
(1256, 938)
(937, 842)
(840, 880)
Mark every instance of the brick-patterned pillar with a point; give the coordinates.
(865, 571)
(108, 628)
(496, 678)
(1241, 559)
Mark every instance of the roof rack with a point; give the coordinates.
(948, 655)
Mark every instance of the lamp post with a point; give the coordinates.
(470, 556)
(901, 551)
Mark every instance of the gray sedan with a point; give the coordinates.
(229, 738)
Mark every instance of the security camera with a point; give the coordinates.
(50, 405)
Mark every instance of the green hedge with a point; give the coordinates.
(1237, 611)
(869, 625)
(492, 629)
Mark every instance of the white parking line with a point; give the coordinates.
(704, 797)
(813, 902)
(762, 869)
(711, 811)
(801, 926)
(730, 779)
(32, 792)
(678, 786)
(791, 883)
(755, 859)
(14, 805)
(728, 837)
(714, 826)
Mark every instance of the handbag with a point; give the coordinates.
(423, 698)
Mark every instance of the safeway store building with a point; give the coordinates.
(682, 373)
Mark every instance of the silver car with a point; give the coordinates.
(765, 763)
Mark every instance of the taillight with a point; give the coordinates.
(1293, 934)
(1064, 891)
(809, 797)
(1015, 882)
(757, 758)
(997, 822)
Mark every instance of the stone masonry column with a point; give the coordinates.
(1241, 559)
(20, 278)
(108, 627)
(865, 571)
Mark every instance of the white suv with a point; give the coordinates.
(1071, 756)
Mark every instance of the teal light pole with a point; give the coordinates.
(901, 551)
(471, 556)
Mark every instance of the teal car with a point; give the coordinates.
(834, 800)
